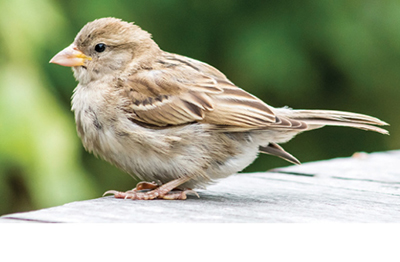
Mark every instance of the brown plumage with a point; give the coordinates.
(173, 119)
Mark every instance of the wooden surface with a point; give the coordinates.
(362, 188)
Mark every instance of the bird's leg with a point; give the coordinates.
(156, 191)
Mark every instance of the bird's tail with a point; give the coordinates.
(315, 119)
(319, 118)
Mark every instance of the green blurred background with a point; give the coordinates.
(305, 54)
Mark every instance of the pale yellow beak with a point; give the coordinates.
(70, 56)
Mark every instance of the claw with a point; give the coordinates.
(113, 192)
(192, 192)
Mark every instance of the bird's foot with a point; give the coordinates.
(155, 191)
(179, 194)
(146, 186)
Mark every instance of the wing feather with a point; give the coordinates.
(183, 90)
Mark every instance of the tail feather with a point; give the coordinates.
(319, 118)
(312, 119)
(276, 150)
(315, 123)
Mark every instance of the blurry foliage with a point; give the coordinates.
(305, 54)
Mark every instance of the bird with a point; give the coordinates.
(175, 123)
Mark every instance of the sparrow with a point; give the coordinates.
(173, 120)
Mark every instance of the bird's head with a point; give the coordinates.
(106, 46)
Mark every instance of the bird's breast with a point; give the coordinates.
(90, 111)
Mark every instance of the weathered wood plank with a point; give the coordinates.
(357, 189)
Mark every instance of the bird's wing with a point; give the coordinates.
(184, 90)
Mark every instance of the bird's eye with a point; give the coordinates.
(100, 47)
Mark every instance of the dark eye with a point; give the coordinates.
(100, 47)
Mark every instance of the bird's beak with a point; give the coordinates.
(70, 56)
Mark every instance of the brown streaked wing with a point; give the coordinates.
(201, 67)
(165, 97)
(237, 108)
(187, 93)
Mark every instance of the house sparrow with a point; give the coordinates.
(169, 118)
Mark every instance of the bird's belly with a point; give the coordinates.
(147, 154)
(153, 155)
